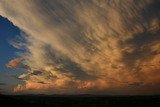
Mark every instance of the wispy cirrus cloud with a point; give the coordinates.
(76, 46)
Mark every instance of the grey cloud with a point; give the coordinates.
(151, 11)
(65, 64)
(41, 82)
(141, 44)
(1, 84)
(36, 72)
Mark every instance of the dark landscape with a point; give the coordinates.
(79, 101)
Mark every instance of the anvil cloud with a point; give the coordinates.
(87, 46)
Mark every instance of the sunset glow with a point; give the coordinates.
(85, 46)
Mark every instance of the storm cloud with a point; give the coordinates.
(87, 46)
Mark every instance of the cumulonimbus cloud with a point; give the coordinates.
(76, 46)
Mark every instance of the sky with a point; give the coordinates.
(80, 47)
(7, 33)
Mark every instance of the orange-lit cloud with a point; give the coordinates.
(14, 63)
(17, 63)
(90, 46)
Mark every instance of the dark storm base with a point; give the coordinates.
(79, 101)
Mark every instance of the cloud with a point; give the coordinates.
(77, 46)
(2, 84)
(14, 63)
(17, 63)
